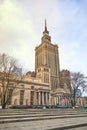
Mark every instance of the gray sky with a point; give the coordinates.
(22, 24)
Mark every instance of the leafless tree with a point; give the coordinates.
(78, 80)
(8, 79)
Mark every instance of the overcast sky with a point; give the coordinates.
(22, 24)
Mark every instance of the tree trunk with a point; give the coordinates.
(74, 97)
(3, 106)
(3, 102)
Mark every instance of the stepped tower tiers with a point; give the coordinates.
(47, 56)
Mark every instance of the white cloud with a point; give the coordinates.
(16, 32)
(68, 54)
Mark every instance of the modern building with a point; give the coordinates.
(47, 85)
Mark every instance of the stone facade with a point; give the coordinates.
(65, 79)
(47, 85)
(47, 55)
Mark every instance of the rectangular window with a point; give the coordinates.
(21, 97)
(9, 95)
(32, 98)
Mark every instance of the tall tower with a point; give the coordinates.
(47, 55)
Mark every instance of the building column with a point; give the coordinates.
(35, 98)
(42, 98)
(59, 100)
(56, 101)
(46, 98)
(49, 99)
(39, 98)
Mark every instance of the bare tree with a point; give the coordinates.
(78, 80)
(8, 79)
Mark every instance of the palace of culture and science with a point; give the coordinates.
(47, 85)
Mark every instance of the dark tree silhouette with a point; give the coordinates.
(8, 79)
(78, 80)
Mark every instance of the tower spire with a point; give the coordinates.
(45, 30)
(45, 26)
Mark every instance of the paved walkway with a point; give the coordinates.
(44, 124)
(73, 122)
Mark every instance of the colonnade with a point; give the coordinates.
(40, 98)
(61, 100)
